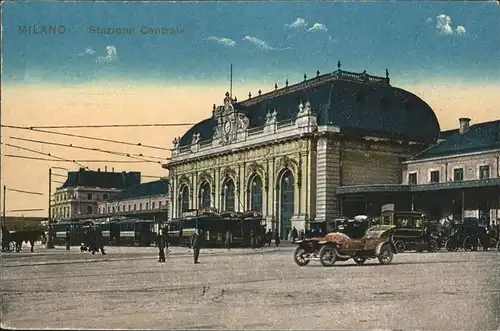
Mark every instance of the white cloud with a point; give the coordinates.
(299, 23)
(443, 24)
(318, 27)
(111, 56)
(88, 51)
(222, 41)
(262, 44)
(460, 30)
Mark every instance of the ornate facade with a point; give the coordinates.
(284, 153)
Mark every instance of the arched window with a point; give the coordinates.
(184, 199)
(287, 191)
(228, 192)
(205, 196)
(256, 194)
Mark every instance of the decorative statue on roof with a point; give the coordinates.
(196, 138)
(175, 142)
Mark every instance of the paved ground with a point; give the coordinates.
(248, 289)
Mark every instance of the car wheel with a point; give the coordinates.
(11, 247)
(468, 244)
(359, 260)
(327, 255)
(433, 246)
(450, 245)
(400, 246)
(386, 255)
(299, 257)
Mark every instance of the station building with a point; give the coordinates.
(458, 176)
(84, 189)
(146, 198)
(286, 152)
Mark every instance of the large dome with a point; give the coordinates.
(358, 103)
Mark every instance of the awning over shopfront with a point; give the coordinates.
(455, 198)
(393, 188)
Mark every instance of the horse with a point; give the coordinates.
(27, 236)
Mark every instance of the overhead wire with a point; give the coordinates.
(23, 210)
(86, 161)
(23, 191)
(106, 126)
(47, 154)
(134, 156)
(85, 137)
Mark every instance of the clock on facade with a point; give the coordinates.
(227, 127)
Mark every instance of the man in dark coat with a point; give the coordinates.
(276, 238)
(68, 239)
(269, 237)
(295, 234)
(98, 242)
(196, 243)
(162, 243)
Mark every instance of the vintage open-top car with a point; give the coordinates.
(377, 242)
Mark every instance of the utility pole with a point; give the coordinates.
(4, 220)
(50, 240)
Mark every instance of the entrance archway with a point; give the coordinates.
(287, 202)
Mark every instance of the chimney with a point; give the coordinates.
(464, 124)
(106, 168)
(98, 169)
(112, 169)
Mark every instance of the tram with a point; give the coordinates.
(76, 229)
(130, 232)
(214, 226)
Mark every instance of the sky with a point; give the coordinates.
(445, 52)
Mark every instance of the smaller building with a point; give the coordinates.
(459, 176)
(145, 197)
(466, 163)
(83, 190)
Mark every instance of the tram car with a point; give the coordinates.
(233, 222)
(174, 232)
(131, 232)
(208, 221)
(253, 224)
(76, 229)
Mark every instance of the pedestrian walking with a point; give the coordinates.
(68, 239)
(276, 238)
(161, 243)
(294, 234)
(196, 243)
(229, 239)
(269, 237)
(97, 242)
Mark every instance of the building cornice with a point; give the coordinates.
(452, 156)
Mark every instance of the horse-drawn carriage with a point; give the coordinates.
(14, 239)
(8, 243)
